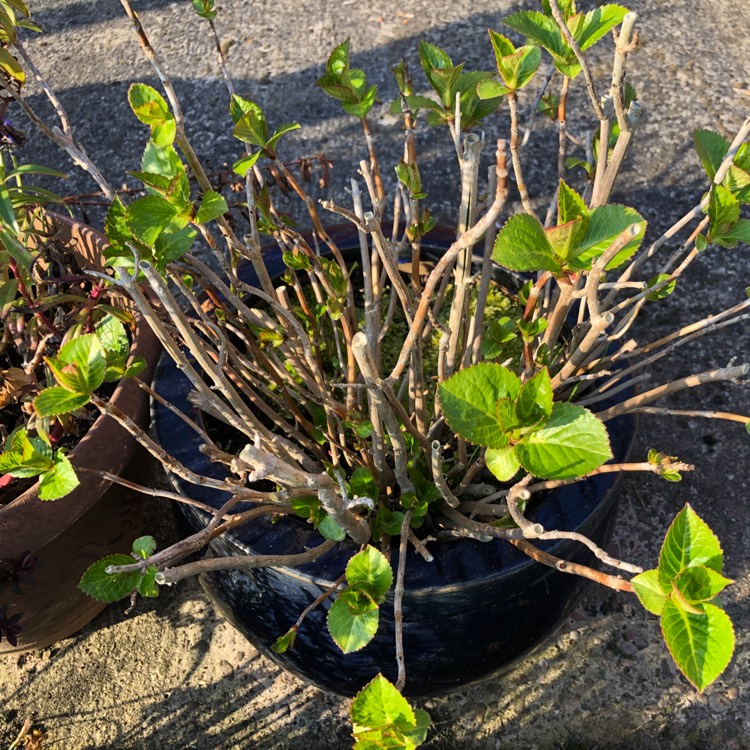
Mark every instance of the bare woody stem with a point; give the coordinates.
(610, 581)
(711, 376)
(516, 156)
(468, 239)
(243, 562)
(398, 598)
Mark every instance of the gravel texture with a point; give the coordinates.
(173, 674)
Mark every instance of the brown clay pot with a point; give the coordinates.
(98, 518)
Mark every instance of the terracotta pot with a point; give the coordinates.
(96, 519)
(472, 612)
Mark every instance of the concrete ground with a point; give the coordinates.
(173, 674)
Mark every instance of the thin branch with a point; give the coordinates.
(398, 598)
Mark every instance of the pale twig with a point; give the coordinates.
(243, 562)
(436, 275)
(516, 156)
(711, 376)
(663, 412)
(438, 476)
(398, 598)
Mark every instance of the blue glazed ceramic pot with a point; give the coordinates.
(472, 612)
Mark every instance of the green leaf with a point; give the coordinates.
(54, 401)
(144, 546)
(106, 587)
(284, 642)
(10, 66)
(379, 705)
(245, 163)
(363, 106)
(534, 402)
(149, 107)
(212, 206)
(711, 148)
(114, 340)
(649, 591)
(171, 246)
(146, 585)
(519, 68)
(701, 645)
(689, 542)
(469, 400)
(605, 224)
(501, 45)
(566, 239)
(723, 211)
(362, 483)
(165, 161)
(596, 23)
(664, 291)
(502, 462)
(700, 584)
(60, 481)
(282, 130)
(739, 232)
(491, 89)
(148, 217)
(252, 127)
(570, 205)
(369, 571)
(87, 355)
(331, 530)
(522, 245)
(572, 443)
(351, 630)
(205, 9)
(338, 61)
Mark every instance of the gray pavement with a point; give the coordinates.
(172, 675)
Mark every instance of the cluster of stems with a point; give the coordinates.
(295, 368)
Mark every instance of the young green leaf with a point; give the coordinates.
(149, 107)
(570, 205)
(109, 587)
(469, 400)
(649, 591)
(664, 290)
(86, 354)
(699, 584)
(55, 400)
(534, 403)
(502, 462)
(369, 571)
(711, 148)
(252, 127)
(689, 542)
(212, 206)
(351, 624)
(522, 245)
(144, 546)
(61, 480)
(701, 644)
(284, 642)
(148, 217)
(606, 223)
(571, 444)
(205, 9)
(331, 530)
(381, 717)
(723, 211)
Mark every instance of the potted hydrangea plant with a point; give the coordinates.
(375, 427)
